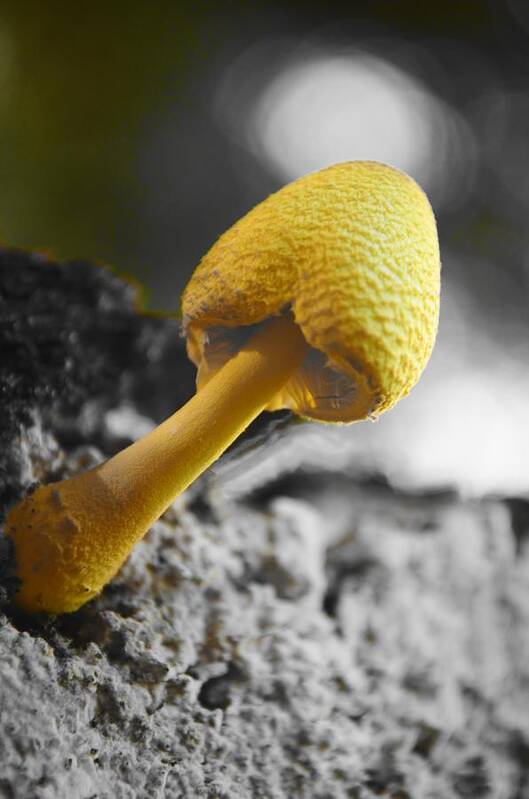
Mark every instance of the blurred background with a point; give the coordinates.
(135, 133)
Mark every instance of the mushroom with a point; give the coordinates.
(323, 299)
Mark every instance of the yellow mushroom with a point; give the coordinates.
(323, 299)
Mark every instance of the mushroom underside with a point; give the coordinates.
(319, 389)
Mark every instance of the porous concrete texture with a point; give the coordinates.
(323, 636)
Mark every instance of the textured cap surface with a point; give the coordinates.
(353, 251)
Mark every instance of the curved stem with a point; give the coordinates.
(167, 460)
(72, 537)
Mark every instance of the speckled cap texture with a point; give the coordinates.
(352, 252)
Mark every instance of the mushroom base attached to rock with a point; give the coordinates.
(71, 537)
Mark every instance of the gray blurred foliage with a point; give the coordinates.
(111, 148)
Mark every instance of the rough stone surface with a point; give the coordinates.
(322, 637)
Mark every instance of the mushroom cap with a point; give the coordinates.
(352, 252)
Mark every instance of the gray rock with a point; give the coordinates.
(320, 637)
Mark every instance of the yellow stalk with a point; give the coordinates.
(72, 537)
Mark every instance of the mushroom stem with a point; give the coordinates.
(150, 473)
(71, 537)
